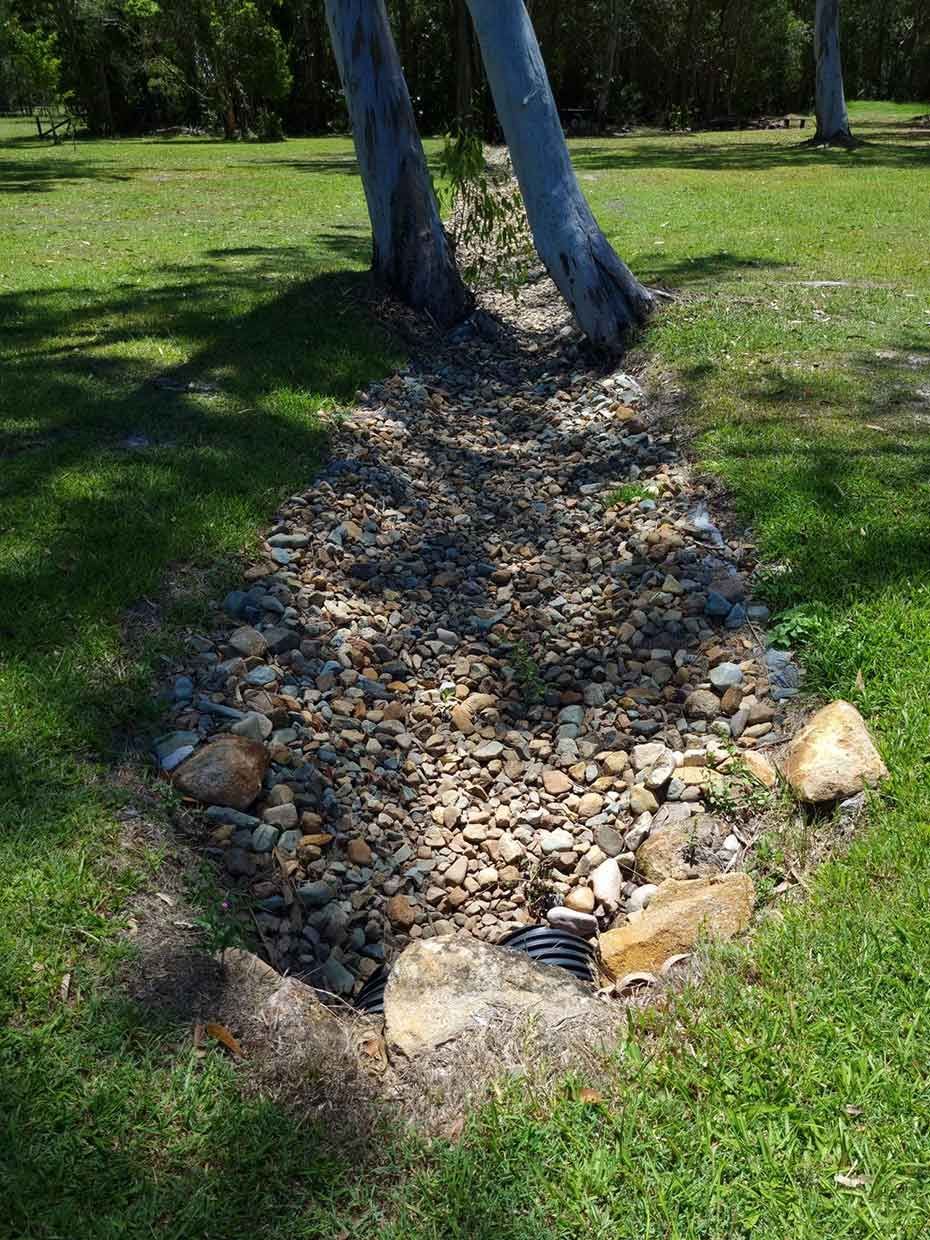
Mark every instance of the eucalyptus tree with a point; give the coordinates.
(605, 297)
(411, 253)
(830, 99)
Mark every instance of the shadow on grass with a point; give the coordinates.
(687, 152)
(834, 463)
(41, 176)
(665, 270)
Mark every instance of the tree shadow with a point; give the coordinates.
(686, 152)
(42, 176)
(840, 480)
(678, 273)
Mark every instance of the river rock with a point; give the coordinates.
(606, 882)
(833, 756)
(227, 771)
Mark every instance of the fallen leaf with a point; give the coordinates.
(860, 681)
(165, 899)
(222, 1034)
(454, 1130)
(853, 1111)
(64, 990)
(591, 1096)
(850, 1181)
(870, 426)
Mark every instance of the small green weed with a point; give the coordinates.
(627, 493)
(527, 673)
(222, 921)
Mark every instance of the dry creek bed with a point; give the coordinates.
(500, 659)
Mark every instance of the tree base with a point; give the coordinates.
(843, 138)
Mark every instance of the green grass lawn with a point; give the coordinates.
(806, 1055)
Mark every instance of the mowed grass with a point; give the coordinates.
(128, 271)
(806, 1055)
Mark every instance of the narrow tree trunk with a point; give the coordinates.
(604, 296)
(410, 250)
(602, 105)
(463, 66)
(830, 102)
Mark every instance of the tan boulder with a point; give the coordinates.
(447, 986)
(227, 771)
(833, 756)
(678, 914)
(681, 848)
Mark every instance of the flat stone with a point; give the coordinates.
(725, 675)
(609, 840)
(444, 987)
(582, 924)
(556, 783)
(455, 875)
(400, 912)
(315, 895)
(679, 913)
(488, 751)
(284, 816)
(647, 754)
(252, 724)
(558, 840)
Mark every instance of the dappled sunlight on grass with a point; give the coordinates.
(176, 318)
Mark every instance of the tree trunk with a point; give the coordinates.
(604, 296)
(830, 102)
(410, 250)
(602, 105)
(463, 66)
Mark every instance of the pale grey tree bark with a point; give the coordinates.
(830, 101)
(411, 253)
(605, 298)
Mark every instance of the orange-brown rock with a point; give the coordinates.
(679, 913)
(226, 771)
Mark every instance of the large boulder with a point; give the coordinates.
(447, 986)
(677, 915)
(227, 771)
(833, 757)
(681, 849)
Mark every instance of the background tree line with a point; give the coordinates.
(266, 66)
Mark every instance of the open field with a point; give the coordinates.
(130, 270)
